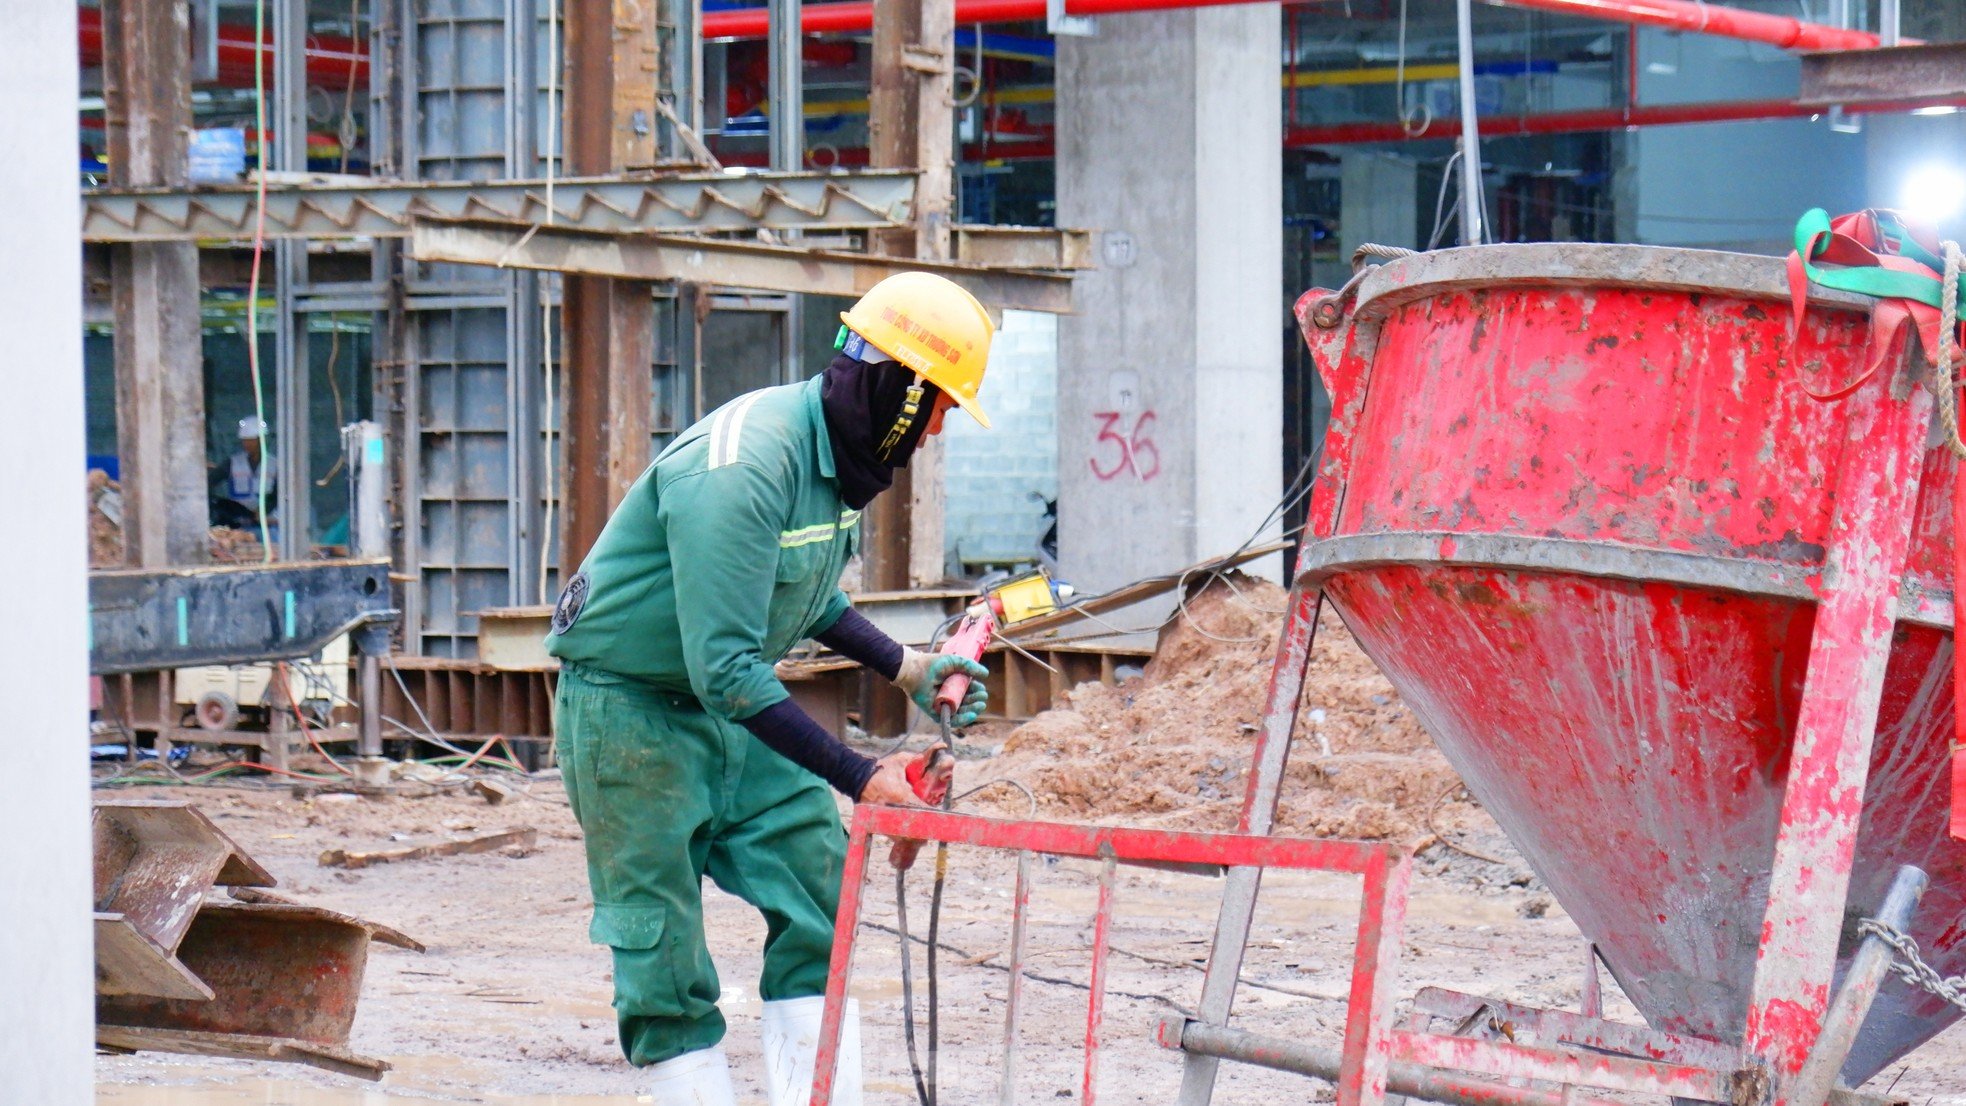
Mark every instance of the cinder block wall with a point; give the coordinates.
(993, 513)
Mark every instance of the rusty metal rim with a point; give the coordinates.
(1585, 265)
(1323, 559)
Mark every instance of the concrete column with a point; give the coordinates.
(160, 387)
(47, 1005)
(1170, 376)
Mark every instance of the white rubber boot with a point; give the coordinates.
(791, 1038)
(700, 1078)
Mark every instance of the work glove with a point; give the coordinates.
(922, 674)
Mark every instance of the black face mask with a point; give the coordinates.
(861, 402)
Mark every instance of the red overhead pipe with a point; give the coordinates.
(1594, 119)
(850, 16)
(333, 61)
(1689, 15)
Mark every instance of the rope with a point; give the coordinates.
(1330, 311)
(1945, 360)
(1374, 249)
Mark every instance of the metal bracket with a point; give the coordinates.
(1056, 22)
(925, 60)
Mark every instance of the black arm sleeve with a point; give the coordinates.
(791, 733)
(863, 643)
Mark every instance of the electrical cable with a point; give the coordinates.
(252, 284)
(287, 691)
(547, 429)
(908, 983)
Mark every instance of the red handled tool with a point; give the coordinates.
(970, 640)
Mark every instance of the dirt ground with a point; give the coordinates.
(510, 1004)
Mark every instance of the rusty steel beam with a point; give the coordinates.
(385, 209)
(608, 321)
(662, 257)
(1023, 247)
(911, 86)
(160, 388)
(1935, 71)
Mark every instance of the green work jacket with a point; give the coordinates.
(725, 554)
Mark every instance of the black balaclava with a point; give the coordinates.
(861, 402)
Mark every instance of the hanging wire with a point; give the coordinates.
(547, 430)
(252, 284)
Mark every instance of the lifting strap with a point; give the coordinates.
(1907, 272)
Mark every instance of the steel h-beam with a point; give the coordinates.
(609, 324)
(160, 390)
(386, 209)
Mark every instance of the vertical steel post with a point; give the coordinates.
(1259, 806)
(160, 383)
(365, 455)
(1890, 22)
(839, 973)
(1846, 1015)
(911, 126)
(291, 419)
(786, 57)
(1472, 211)
(1095, 1014)
(1876, 492)
(1020, 906)
(609, 325)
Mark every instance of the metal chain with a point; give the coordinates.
(1945, 359)
(1912, 968)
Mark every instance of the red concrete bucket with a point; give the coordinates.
(1588, 508)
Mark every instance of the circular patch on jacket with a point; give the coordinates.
(573, 599)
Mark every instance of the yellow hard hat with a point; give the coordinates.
(930, 324)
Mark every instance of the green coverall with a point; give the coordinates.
(724, 554)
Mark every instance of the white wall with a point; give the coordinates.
(46, 979)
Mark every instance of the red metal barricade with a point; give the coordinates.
(1369, 1033)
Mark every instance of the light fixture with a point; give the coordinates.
(1934, 194)
(1935, 109)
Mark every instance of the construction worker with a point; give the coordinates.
(682, 752)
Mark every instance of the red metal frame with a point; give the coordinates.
(1386, 869)
(1829, 763)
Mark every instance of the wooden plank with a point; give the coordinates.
(527, 837)
(239, 1046)
(1136, 592)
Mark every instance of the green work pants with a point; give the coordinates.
(665, 794)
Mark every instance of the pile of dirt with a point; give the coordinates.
(230, 546)
(106, 548)
(105, 521)
(1173, 747)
